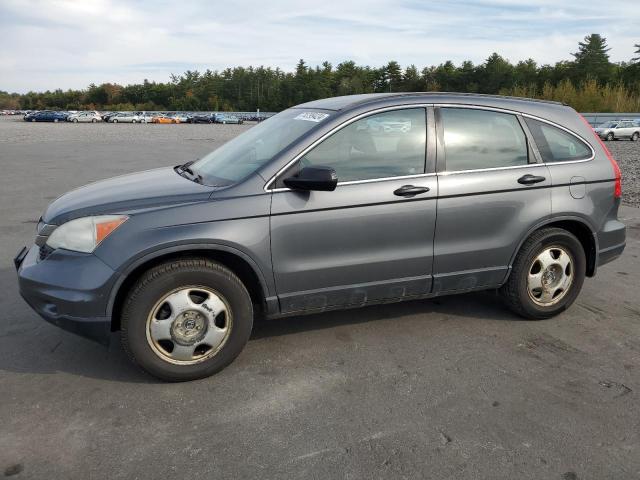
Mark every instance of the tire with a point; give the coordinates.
(93, 120)
(55, 120)
(610, 137)
(516, 292)
(635, 136)
(144, 303)
(33, 119)
(114, 121)
(75, 120)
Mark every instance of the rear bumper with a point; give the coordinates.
(610, 254)
(69, 290)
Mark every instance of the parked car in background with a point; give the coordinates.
(618, 130)
(28, 116)
(125, 117)
(180, 117)
(222, 118)
(48, 116)
(200, 118)
(146, 117)
(164, 119)
(107, 115)
(80, 117)
(308, 212)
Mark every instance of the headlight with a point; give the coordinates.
(85, 234)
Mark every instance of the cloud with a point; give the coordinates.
(69, 43)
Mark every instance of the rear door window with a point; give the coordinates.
(478, 139)
(557, 145)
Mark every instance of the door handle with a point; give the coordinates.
(530, 179)
(410, 191)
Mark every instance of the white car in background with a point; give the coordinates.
(181, 117)
(145, 117)
(84, 117)
(125, 117)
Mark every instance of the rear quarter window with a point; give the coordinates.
(557, 145)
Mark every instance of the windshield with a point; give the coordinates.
(609, 125)
(249, 151)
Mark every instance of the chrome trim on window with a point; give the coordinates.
(489, 169)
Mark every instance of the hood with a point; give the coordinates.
(148, 189)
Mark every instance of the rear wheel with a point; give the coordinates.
(114, 121)
(75, 120)
(547, 274)
(186, 319)
(55, 120)
(635, 136)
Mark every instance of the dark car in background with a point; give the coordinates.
(47, 116)
(224, 119)
(200, 118)
(319, 208)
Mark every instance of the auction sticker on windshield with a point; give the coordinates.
(312, 116)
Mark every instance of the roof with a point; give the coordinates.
(351, 101)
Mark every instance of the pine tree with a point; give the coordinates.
(592, 58)
(637, 52)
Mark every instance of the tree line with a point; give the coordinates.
(588, 82)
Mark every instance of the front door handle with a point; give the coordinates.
(531, 179)
(410, 191)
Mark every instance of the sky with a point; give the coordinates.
(49, 44)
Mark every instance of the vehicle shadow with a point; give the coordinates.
(28, 345)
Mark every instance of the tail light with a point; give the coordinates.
(617, 190)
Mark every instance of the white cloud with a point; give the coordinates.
(71, 43)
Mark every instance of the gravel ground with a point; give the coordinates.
(627, 154)
(449, 388)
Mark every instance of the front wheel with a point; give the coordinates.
(610, 137)
(186, 319)
(75, 120)
(547, 274)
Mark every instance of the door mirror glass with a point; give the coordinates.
(313, 178)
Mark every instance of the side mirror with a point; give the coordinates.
(314, 178)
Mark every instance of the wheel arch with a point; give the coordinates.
(579, 227)
(238, 262)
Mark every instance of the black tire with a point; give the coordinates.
(164, 278)
(635, 136)
(75, 120)
(610, 137)
(515, 291)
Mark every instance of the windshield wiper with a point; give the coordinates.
(186, 168)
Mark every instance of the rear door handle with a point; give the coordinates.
(410, 191)
(530, 179)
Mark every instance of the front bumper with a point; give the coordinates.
(68, 289)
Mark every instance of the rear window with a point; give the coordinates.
(557, 145)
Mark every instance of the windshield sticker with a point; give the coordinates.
(312, 116)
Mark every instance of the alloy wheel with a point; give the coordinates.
(550, 276)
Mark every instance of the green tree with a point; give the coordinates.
(592, 58)
(637, 52)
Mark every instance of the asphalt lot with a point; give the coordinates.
(455, 387)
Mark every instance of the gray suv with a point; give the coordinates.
(336, 203)
(619, 129)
